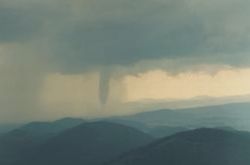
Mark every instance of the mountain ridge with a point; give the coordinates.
(204, 146)
(89, 143)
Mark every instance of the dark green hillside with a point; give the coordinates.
(89, 143)
(197, 147)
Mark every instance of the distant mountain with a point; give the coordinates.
(164, 131)
(89, 143)
(4, 128)
(135, 124)
(17, 143)
(161, 117)
(50, 128)
(235, 115)
(197, 147)
(156, 131)
(198, 101)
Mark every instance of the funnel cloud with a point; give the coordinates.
(104, 80)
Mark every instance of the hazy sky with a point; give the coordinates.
(90, 57)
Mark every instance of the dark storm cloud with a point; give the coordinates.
(111, 32)
(153, 31)
(130, 37)
(17, 24)
(126, 43)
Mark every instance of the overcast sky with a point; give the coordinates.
(90, 57)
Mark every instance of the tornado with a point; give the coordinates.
(104, 80)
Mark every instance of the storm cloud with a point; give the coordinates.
(85, 34)
(77, 36)
(125, 32)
